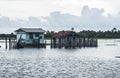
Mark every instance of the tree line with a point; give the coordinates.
(12, 35)
(114, 33)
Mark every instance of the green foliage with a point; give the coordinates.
(100, 34)
(87, 33)
(114, 33)
(49, 34)
(2, 36)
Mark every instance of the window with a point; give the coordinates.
(31, 35)
(40, 37)
(37, 35)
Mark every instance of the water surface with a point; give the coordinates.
(97, 62)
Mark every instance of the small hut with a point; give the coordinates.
(33, 37)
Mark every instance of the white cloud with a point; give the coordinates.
(25, 8)
(110, 6)
(90, 19)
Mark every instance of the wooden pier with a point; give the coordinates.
(62, 39)
(70, 39)
(77, 42)
(12, 44)
(9, 42)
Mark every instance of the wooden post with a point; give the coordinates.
(39, 42)
(10, 43)
(54, 42)
(84, 42)
(88, 42)
(45, 44)
(92, 42)
(51, 43)
(67, 42)
(73, 42)
(63, 42)
(5, 42)
(96, 42)
(80, 42)
(59, 43)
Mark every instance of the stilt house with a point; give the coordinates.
(30, 36)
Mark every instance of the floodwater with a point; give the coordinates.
(97, 62)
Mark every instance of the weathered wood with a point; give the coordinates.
(10, 44)
(79, 42)
(59, 43)
(73, 42)
(38, 44)
(54, 43)
(45, 44)
(5, 42)
(51, 43)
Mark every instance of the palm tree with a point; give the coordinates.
(72, 28)
(114, 29)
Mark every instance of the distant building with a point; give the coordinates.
(30, 35)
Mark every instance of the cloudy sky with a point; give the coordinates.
(59, 14)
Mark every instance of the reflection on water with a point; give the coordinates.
(62, 63)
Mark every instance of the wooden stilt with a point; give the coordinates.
(5, 42)
(54, 42)
(38, 45)
(59, 43)
(80, 42)
(51, 43)
(84, 42)
(45, 44)
(10, 43)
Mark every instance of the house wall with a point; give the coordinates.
(42, 40)
(19, 34)
(27, 39)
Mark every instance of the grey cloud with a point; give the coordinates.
(90, 19)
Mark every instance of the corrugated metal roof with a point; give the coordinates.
(31, 30)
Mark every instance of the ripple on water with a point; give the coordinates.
(37, 66)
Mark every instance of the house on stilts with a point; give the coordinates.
(30, 37)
